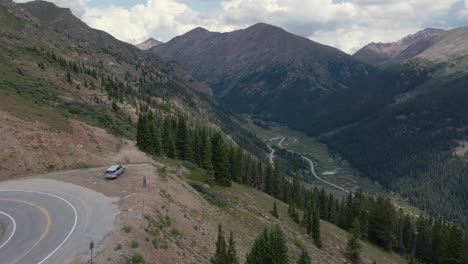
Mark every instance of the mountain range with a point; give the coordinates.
(264, 70)
(378, 108)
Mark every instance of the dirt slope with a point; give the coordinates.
(31, 147)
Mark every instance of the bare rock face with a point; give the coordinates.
(395, 52)
(148, 44)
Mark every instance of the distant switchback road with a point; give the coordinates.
(311, 164)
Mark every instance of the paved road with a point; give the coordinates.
(271, 155)
(47, 221)
(312, 170)
(311, 164)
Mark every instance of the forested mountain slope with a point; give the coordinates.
(264, 70)
(407, 128)
(55, 69)
(400, 125)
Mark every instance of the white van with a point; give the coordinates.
(114, 171)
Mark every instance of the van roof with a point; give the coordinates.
(112, 168)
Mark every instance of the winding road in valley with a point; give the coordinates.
(271, 156)
(47, 221)
(312, 170)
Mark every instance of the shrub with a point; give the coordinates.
(134, 244)
(210, 195)
(175, 232)
(126, 229)
(138, 259)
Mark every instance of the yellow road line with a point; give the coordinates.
(43, 235)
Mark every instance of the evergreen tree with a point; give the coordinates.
(183, 141)
(304, 258)
(275, 190)
(382, 218)
(144, 140)
(69, 80)
(206, 151)
(353, 250)
(260, 251)
(268, 180)
(278, 246)
(274, 212)
(453, 248)
(423, 250)
(293, 214)
(323, 204)
(220, 256)
(232, 257)
(167, 139)
(219, 160)
(316, 229)
(269, 247)
(155, 137)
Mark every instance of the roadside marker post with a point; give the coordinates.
(91, 247)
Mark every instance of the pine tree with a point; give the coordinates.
(316, 229)
(274, 212)
(69, 80)
(219, 160)
(232, 257)
(206, 157)
(304, 258)
(268, 181)
(167, 139)
(353, 250)
(423, 240)
(278, 246)
(323, 204)
(453, 248)
(183, 140)
(220, 256)
(156, 137)
(144, 140)
(275, 189)
(269, 247)
(293, 214)
(260, 251)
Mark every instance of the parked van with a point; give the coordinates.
(114, 171)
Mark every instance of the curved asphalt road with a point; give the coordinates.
(309, 161)
(46, 221)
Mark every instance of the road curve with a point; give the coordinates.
(47, 221)
(311, 164)
(271, 155)
(312, 170)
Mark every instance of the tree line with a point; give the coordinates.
(429, 240)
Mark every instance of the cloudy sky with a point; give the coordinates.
(345, 24)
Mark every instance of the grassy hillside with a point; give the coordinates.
(179, 225)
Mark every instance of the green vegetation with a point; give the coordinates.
(211, 196)
(138, 259)
(304, 258)
(126, 229)
(353, 250)
(134, 244)
(226, 253)
(274, 212)
(269, 247)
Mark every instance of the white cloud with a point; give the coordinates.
(345, 24)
